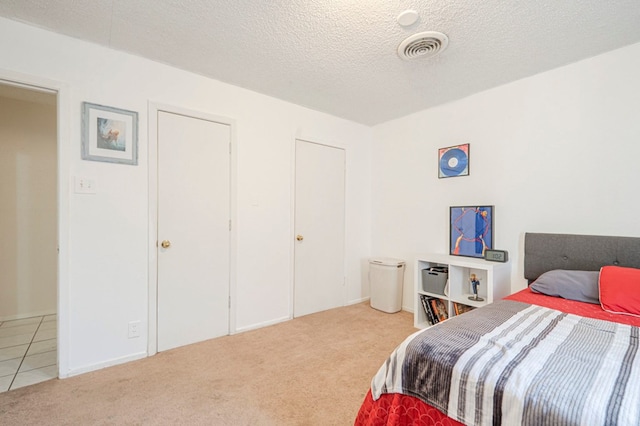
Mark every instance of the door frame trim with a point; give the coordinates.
(154, 108)
(292, 239)
(64, 154)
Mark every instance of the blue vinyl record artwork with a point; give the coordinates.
(453, 161)
(471, 230)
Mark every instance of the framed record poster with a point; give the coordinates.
(453, 161)
(470, 230)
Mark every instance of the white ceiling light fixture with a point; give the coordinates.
(423, 45)
(407, 18)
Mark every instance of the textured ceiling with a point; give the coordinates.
(339, 56)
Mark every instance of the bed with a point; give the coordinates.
(549, 354)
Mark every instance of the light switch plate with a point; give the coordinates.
(83, 185)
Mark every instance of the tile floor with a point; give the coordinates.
(28, 351)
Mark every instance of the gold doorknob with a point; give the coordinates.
(166, 244)
(299, 238)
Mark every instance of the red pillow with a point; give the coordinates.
(620, 290)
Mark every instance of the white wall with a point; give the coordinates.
(108, 232)
(556, 152)
(28, 209)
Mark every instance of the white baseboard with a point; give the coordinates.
(365, 299)
(101, 365)
(260, 325)
(356, 301)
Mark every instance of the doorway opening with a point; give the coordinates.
(29, 225)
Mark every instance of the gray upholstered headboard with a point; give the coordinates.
(545, 252)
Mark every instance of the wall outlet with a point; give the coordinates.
(134, 329)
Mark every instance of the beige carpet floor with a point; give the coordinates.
(313, 370)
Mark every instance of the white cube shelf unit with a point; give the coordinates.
(494, 277)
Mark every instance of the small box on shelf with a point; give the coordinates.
(434, 279)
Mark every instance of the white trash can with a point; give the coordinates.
(386, 276)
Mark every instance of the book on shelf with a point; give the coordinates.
(440, 309)
(461, 308)
(432, 318)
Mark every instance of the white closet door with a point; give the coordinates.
(319, 224)
(193, 224)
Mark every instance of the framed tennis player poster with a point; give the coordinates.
(471, 230)
(453, 161)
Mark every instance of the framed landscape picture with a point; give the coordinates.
(109, 134)
(470, 230)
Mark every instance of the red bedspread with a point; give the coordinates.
(400, 410)
(588, 310)
(397, 409)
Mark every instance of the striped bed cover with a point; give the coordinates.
(515, 363)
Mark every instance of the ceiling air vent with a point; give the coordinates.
(422, 45)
